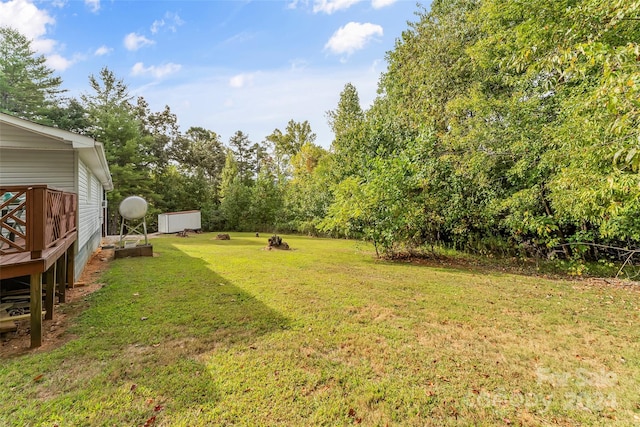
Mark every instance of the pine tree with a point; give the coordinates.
(113, 122)
(241, 147)
(28, 88)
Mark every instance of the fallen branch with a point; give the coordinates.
(628, 253)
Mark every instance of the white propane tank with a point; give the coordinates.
(133, 207)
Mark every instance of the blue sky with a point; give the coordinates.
(221, 65)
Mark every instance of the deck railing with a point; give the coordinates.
(35, 218)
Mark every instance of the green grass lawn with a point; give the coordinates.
(226, 333)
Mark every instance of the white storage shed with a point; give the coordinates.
(173, 222)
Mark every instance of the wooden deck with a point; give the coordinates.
(37, 239)
(21, 263)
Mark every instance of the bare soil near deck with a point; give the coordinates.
(55, 330)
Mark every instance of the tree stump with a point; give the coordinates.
(275, 242)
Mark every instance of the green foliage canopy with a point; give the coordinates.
(28, 88)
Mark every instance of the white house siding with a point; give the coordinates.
(32, 154)
(31, 167)
(89, 215)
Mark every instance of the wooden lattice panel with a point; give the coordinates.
(13, 224)
(54, 213)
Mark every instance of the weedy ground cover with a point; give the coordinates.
(226, 333)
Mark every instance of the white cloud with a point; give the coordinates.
(330, 6)
(25, 17)
(103, 50)
(273, 98)
(94, 5)
(352, 37)
(241, 80)
(379, 4)
(58, 62)
(298, 64)
(30, 21)
(171, 21)
(133, 41)
(174, 21)
(156, 71)
(157, 24)
(44, 46)
(293, 4)
(239, 38)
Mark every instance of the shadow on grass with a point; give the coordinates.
(178, 296)
(460, 266)
(146, 337)
(234, 241)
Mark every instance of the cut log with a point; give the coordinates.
(8, 327)
(19, 317)
(23, 297)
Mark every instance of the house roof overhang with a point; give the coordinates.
(16, 133)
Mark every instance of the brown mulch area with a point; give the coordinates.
(54, 332)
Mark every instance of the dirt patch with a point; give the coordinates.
(54, 332)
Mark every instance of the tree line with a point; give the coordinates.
(499, 127)
(240, 185)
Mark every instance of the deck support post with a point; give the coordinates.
(50, 297)
(61, 278)
(36, 309)
(71, 264)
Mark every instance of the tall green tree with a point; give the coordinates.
(286, 145)
(600, 80)
(531, 103)
(235, 195)
(550, 110)
(28, 88)
(429, 66)
(161, 132)
(199, 158)
(69, 114)
(200, 149)
(265, 211)
(308, 195)
(241, 147)
(235, 205)
(113, 122)
(260, 159)
(229, 173)
(400, 181)
(347, 124)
